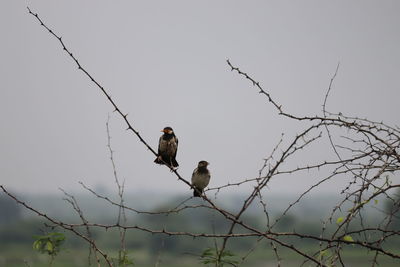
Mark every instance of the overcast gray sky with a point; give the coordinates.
(164, 63)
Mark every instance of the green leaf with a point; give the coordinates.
(207, 252)
(49, 244)
(339, 220)
(323, 253)
(348, 238)
(376, 201)
(49, 247)
(227, 253)
(210, 256)
(36, 245)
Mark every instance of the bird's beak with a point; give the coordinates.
(162, 131)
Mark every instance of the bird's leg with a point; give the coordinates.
(171, 165)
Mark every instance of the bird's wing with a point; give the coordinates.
(208, 177)
(193, 174)
(159, 145)
(176, 149)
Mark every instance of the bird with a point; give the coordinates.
(167, 148)
(200, 178)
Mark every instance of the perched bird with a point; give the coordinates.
(167, 148)
(200, 178)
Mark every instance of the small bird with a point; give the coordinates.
(200, 178)
(167, 148)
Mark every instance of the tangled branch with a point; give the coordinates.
(366, 151)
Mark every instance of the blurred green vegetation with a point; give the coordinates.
(146, 249)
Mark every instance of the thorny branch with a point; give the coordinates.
(366, 151)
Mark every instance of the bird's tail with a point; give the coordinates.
(197, 192)
(174, 163)
(169, 161)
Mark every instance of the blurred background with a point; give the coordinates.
(19, 228)
(164, 63)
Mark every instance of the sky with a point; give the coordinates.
(164, 63)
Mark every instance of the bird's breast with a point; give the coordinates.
(200, 180)
(168, 146)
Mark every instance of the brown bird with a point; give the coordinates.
(167, 148)
(200, 178)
